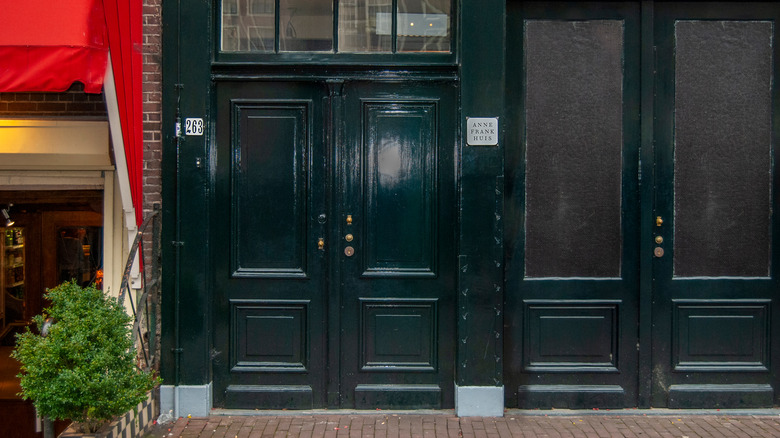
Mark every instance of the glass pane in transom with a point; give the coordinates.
(365, 26)
(248, 25)
(424, 26)
(306, 25)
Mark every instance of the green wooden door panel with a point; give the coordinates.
(711, 258)
(269, 283)
(398, 288)
(400, 188)
(715, 288)
(269, 189)
(571, 205)
(299, 324)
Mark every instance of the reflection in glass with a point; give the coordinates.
(423, 26)
(306, 25)
(79, 255)
(248, 25)
(365, 26)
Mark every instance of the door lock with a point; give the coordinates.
(349, 251)
(658, 252)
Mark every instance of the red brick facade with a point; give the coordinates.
(152, 102)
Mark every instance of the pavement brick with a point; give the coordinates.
(446, 425)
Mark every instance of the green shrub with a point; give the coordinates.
(84, 369)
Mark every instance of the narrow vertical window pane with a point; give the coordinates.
(722, 148)
(424, 26)
(306, 25)
(365, 26)
(574, 142)
(248, 25)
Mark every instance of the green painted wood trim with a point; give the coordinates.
(168, 330)
(647, 191)
(480, 282)
(186, 326)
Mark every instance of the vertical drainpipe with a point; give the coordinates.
(177, 243)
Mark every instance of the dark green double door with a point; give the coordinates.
(641, 238)
(333, 250)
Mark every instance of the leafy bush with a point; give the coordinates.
(84, 369)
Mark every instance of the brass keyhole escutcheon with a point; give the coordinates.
(349, 251)
(659, 240)
(658, 252)
(321, 244)
(348, 238)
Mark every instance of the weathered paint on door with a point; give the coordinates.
(715, 288)
(572, 206)
(575, 262)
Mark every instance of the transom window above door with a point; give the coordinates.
(336, 26)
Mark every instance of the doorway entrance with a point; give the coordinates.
(334, 250)
(639, 240)
(50, 237)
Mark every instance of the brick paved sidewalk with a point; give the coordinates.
(444, 425)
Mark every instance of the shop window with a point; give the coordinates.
(79, 255)
(363, 26)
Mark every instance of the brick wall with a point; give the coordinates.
(152, 102)
(72, 103)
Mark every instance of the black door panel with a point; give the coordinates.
(571, 205)
(574, 270)
(270, 291)
(398, 288)
(335, 257)
(715, 287)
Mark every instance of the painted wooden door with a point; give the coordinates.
(572, 205)
(398, 267)
(577, 259)
(715, 293)
(334, 245)
(270, 274)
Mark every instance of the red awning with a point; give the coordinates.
(46, 46)
(123, 24)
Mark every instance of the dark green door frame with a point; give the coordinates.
(672, 369)
(188, 184)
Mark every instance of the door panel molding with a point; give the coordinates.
(571, 314)
(401, 187)
(272, 244)
(572, 336)
(253, 350)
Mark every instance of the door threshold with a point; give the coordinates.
(329, 412)
(641, 412)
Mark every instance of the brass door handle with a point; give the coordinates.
(659, 221)
(321, 244)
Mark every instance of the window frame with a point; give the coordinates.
(278, 57)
